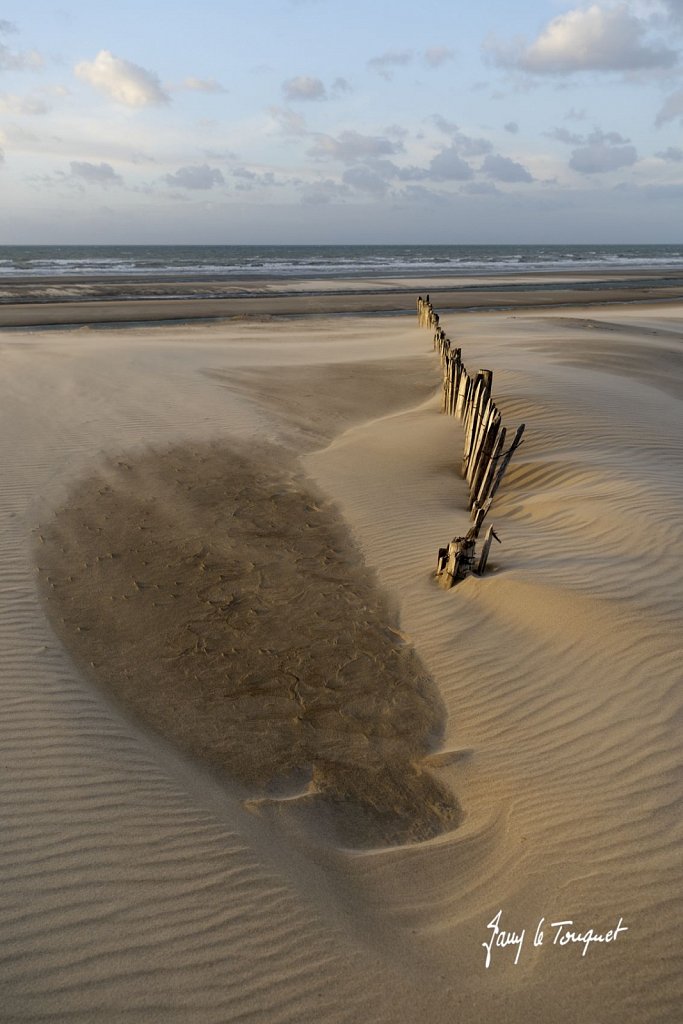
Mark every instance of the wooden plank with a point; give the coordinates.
(478, 520)
(485, 453)
(474, 423)
(462, 393)
(505, 461)
(487, 479)
(469, 411)
(485, 414)
(484, 557)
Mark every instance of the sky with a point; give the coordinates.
(341, 121)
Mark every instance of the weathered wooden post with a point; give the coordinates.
(457, 560)
(505, 461)
(484, 557)
(484, 460)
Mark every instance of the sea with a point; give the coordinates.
(225, 262)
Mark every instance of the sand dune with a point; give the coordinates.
(137, 887)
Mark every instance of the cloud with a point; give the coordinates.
(123, 81)
(304, 88)
(322, 192)
(672, 109)
(597, 138)
(511, 127)
(341, 85)
(423, 196)
(365, 179)
(447, 127)
(480, 188)
(386, 62)
(203, 85)
(502, 168)
(12, 104)
(466, 145)
(603, 152)
(435, 56)
(564, 135)
(288, 121)
(198, 177)
(95, 174)
(397, 130)
(673, 153)
(10, 60)
(587, 39)
(674, 9)
(249, 180)
(351, 146)
(448, 165)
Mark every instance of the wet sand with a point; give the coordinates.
(25, 303)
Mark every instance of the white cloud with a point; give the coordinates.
(672, 109)
(502, 168)
(435, 56)
(588, 39)
(304, 87)
(123, 81)
(203, 85)
(387, 62)
(196, 177)
(12, 60)
(12, 104)
(511, 127)
(95, 174)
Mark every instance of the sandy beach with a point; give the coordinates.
(69, 301)
(257, 765)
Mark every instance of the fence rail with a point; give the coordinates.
(485, 455)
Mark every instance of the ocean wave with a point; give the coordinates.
(324, 261)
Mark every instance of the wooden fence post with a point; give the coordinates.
(484, 459)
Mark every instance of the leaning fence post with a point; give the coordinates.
(484, 460)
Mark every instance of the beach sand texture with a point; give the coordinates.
(141, 885)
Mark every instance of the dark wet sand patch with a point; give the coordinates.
(222, 600)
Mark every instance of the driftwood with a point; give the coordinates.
(457, 560)
(485, 458)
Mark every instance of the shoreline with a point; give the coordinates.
(81, 301)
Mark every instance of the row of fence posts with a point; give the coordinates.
(485, 457)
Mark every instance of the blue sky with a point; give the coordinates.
(326, 121)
